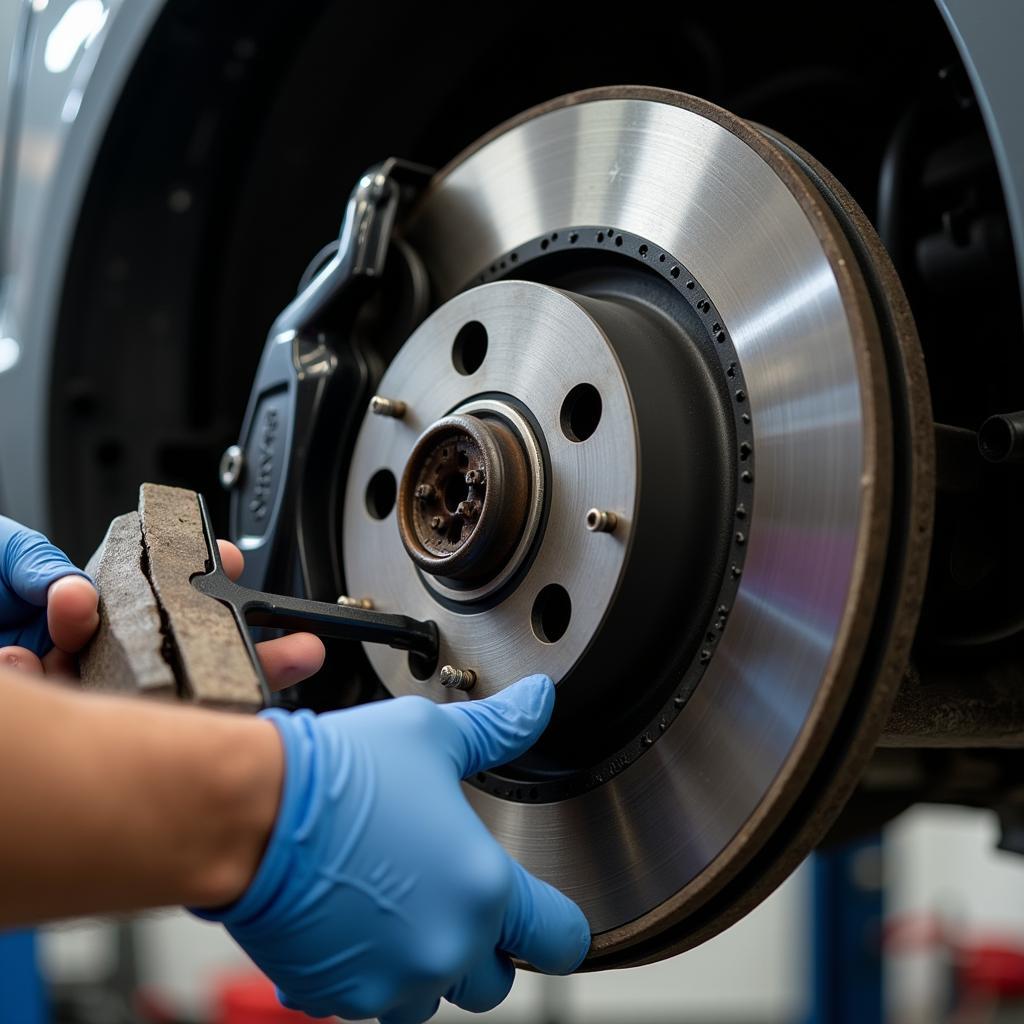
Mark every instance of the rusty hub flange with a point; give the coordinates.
(464, 498)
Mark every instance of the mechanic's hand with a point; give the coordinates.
(45, 601)
(48, 611)
(381, 890)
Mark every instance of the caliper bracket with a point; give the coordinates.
(304, 376)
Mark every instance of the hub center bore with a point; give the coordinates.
(464, 498)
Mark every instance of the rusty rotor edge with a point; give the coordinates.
(907, 591)
(908, 578)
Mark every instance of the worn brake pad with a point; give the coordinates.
(158, 635)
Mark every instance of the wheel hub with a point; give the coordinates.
(483, 574)
(464, 498)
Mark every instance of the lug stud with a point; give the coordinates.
(468, 509)
(437, 522)
(392, 407)
(424, 492)
(458, 678)
(600, 521)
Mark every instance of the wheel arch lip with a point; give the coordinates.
(987, 37)
(56, 123)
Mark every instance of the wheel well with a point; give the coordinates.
(232, 150)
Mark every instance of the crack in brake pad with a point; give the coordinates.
(173, 625)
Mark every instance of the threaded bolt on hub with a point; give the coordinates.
(458, 678)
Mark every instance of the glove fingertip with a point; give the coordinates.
(291, 1004)
(578, 938)
(585, 942)
(543, 926)
(500, 728)
(32, 563)
(533, 695)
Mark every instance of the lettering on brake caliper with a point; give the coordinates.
(264, 455)
(263, 482)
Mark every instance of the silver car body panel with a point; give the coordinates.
(78, 55)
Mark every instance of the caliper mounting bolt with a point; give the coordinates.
(458, 678)
(232, 462)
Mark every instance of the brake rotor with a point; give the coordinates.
(667, 439)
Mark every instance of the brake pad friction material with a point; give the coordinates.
(212, 661)
(126, 654)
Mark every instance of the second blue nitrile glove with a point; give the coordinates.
(29, 563)
(381, 890)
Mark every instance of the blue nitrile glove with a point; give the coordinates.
(381, 890)
(29, 563)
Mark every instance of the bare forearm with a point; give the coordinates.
(110, 804)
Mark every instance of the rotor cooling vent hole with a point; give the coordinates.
(470, 348)
(380, 494)
(581, 412)
(420, 666)
(552, 610)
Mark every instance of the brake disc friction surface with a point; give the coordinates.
(658, 840)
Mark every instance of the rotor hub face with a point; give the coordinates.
(494, 491)
(504, 419)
